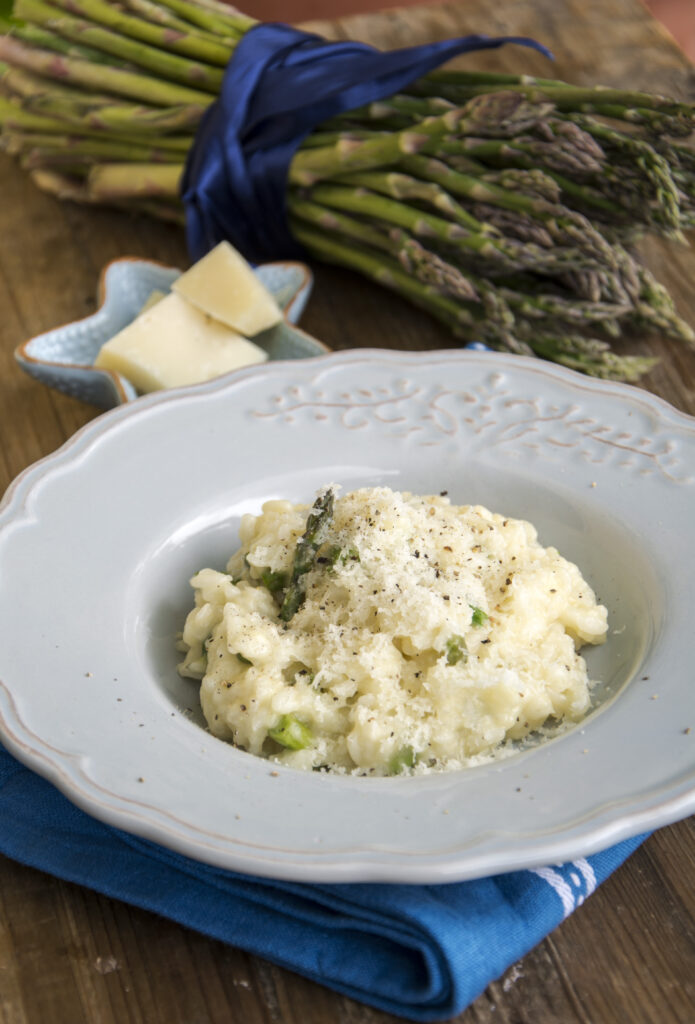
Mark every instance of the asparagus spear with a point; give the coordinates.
(466, 320)
(217, 18)
(45, 39)
(453, 85)
(115, 181)
(308, 545)
(181, 41)
(589, 355)
(500, 113)
(65, 148)
(143, 55)
(158, 15)
(404, 186)
(96, 111)
(98, 76)
(501, 252)
(425, 266)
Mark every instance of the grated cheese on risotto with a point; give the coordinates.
(382, 632)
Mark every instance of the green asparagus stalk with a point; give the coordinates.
(501, 113)
(501, 252)
(99, 77)
(466, 320)
(68, 147)
(566, 227)
(45, 39)
(588, 355)
(315, 534)
(19, 82)
(16, 120)
(429, 269)
(454, 85)
(71, 187)
(123, 181)
(216, 18)
(658, 113)
(151, 58)
(43, 97)
(656, 173)
(153, 12)
(571, 351)
(547, 307)
(62, 186)
(426, 266)
(179, 41)
(514, 154)
(404, 186)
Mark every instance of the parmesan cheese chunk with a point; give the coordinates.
(152, 299)
(172, 344)
(224, 286)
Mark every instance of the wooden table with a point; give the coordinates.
(68, 956)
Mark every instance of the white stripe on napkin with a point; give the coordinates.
(587, 873)
(557, 882)
(561, 886)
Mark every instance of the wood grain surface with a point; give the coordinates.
(69, 956)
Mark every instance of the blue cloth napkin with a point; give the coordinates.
(279, 85)
(423, 951)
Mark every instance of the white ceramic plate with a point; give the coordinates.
(97, 543)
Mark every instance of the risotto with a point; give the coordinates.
(383, 632)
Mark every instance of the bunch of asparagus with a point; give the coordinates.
(504, 205)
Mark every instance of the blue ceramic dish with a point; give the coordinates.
(63, 358)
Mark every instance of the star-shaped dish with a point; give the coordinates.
(63, 358)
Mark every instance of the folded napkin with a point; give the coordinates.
(418, 951)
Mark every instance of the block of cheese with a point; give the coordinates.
(152, 299)
(173, 343)
(224, 286)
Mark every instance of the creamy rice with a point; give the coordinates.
(429, 636)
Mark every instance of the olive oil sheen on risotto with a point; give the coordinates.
(383, 632)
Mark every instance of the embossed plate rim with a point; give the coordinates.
(252, 845)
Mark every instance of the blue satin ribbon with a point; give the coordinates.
(279, 85)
